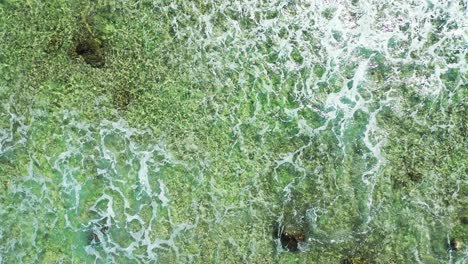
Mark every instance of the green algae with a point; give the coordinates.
(228, 186)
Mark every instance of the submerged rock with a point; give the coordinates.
(455, 244)
(290, 241)
(290, 238)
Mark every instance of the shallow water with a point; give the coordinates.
(213, 131)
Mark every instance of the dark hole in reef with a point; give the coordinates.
(92, 51)
(289, 238)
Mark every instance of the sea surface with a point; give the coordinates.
(242, 131)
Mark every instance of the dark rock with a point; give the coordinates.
(455, 244)
(290, 242)
(290, 239)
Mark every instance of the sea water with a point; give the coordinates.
(241, 131)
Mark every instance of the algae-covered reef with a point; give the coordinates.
(233, 131)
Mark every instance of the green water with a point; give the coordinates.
(204, 131)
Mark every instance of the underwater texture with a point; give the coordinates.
(243, 131)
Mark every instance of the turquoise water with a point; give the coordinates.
(233, 131)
